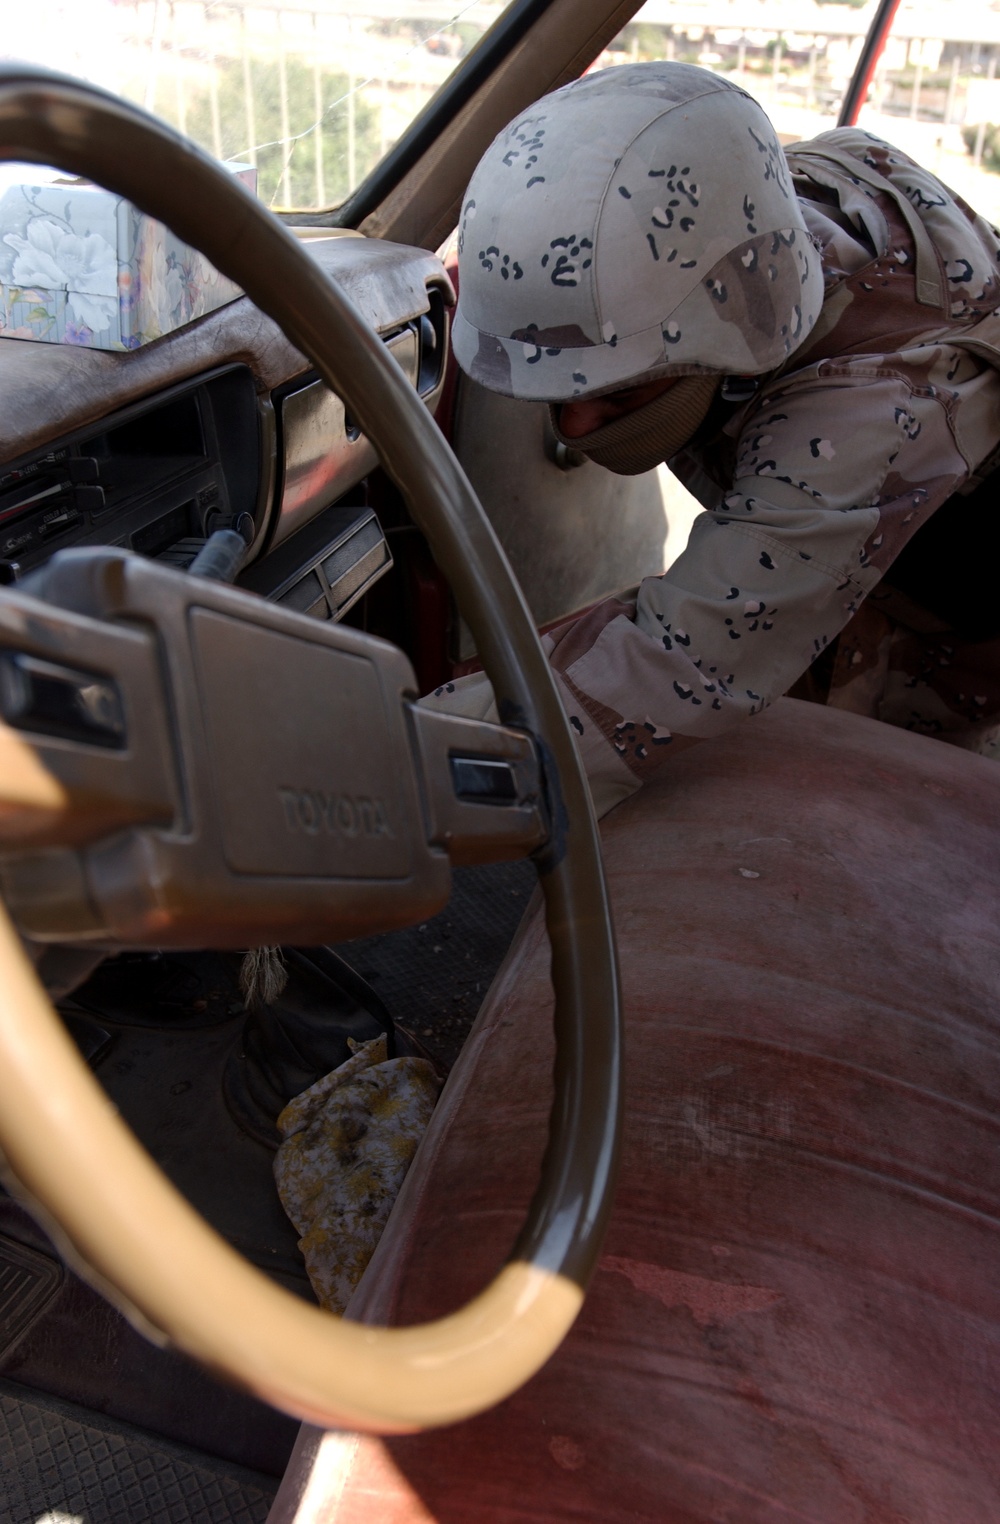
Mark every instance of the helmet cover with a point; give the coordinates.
(640, 222)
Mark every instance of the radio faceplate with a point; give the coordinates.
(165, 470)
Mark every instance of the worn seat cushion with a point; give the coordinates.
(797, 1313)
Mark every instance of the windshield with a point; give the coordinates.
(935, 92)
(310, 93)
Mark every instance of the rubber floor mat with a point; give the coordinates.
(434, 977)
(28, 1282)
(65, 1465)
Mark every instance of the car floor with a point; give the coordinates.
(162, 1063)
(434, 977)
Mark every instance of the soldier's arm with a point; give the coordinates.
(833, 475)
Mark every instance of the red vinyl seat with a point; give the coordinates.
(797, 1312)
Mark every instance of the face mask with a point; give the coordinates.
(640, 440)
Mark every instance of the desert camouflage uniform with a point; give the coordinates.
(811, 491)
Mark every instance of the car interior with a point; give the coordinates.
(741, 1081)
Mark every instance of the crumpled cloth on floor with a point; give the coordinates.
(347, 1143)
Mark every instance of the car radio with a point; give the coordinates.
(149, 479)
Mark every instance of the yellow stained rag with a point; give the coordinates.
(347, 1143)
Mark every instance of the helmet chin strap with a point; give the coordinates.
(739, 388)
(641, 439)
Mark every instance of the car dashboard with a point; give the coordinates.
(222, 424)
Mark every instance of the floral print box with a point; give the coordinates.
(79, 265)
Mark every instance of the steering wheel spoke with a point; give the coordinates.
(234, 773)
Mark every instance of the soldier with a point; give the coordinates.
(809, 339)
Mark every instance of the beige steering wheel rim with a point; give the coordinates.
(81, 1169)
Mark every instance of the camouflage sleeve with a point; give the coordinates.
(833, 475)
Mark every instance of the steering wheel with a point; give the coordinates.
(81, 1170)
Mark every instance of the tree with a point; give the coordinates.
(297, 158)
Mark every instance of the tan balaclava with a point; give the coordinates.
(639, 223)
(639, 440)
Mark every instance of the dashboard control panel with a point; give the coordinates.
(326, 567)
(160, 473)
(160, 476)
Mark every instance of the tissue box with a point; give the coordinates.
(79, 265)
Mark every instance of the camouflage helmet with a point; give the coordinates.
(640, 222)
